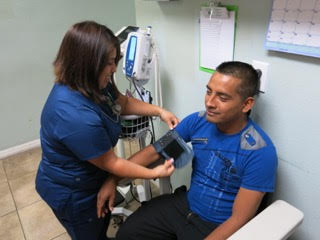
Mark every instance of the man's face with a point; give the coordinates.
(224, 105)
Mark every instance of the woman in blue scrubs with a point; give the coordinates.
(80, 126)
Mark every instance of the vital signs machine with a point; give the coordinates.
(140, 61)
(140, 64)
(137, 58)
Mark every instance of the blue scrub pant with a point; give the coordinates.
(84, 225)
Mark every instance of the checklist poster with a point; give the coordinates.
(294, 27)
(216, 39)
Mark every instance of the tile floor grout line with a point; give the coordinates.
(39, 200)
(58, 236)
(14, 202)
(8, 213)
(24, 235)
(24, 175)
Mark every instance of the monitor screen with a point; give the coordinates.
(132, 48)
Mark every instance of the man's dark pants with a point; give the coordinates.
(164, 218)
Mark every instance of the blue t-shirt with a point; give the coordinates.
(74, 130)
(223, 163)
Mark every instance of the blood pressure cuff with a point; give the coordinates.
(171, 145)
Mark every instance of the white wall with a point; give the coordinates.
(31, 32)
(288, 111)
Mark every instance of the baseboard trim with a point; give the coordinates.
(19, 148)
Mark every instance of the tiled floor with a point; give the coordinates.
(23, 215)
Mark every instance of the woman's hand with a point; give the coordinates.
(169, 118)
(106, 192)
(165, 169)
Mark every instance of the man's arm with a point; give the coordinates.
(145, 156)
(244, 208)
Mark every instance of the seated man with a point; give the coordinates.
(234, 166)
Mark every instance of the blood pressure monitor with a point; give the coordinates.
(171, 145)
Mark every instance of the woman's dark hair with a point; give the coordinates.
(83, 55)
(250, 78)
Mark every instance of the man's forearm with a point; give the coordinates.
(145, 157)
(244, 208)
(226, 229)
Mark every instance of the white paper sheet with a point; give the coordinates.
(216, 39)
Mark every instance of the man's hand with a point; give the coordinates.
(106, 192)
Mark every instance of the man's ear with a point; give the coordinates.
(248, 104)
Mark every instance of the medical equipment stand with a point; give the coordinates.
(140, 52)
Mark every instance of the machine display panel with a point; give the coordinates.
(133, 44)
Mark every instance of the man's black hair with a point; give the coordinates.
(250, 78)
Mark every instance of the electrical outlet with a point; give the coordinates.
(263, 66)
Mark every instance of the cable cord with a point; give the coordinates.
(130, 85)
(137, 90)
(150, 118)
(152, 135)
(132, 194)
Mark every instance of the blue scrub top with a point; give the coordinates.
(74, 130)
